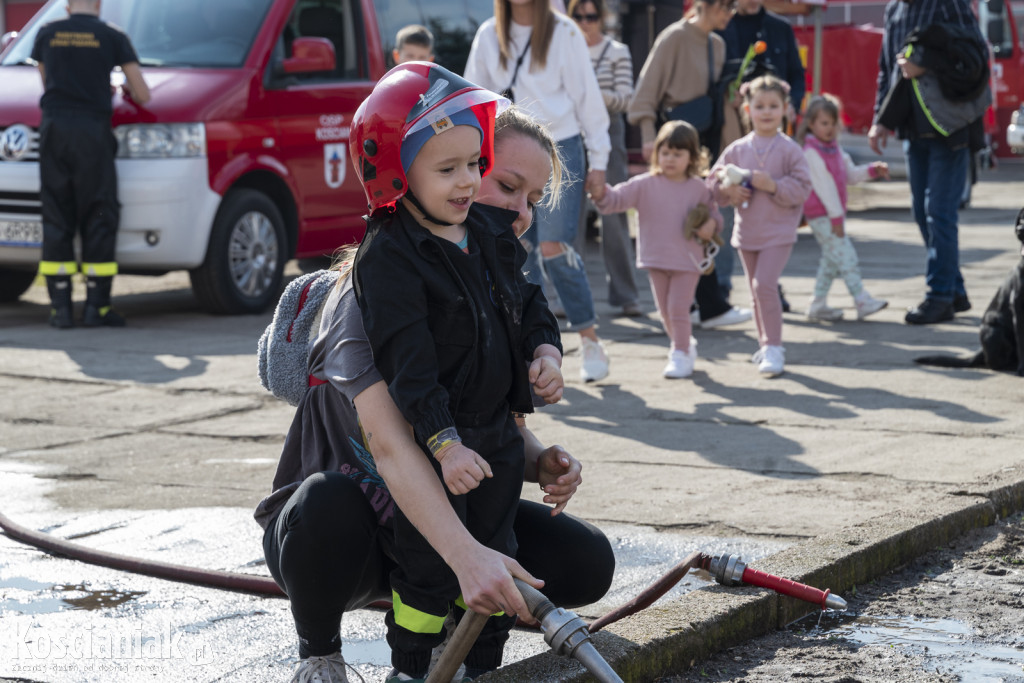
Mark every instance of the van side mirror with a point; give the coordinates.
(310, 55)
(7, 39)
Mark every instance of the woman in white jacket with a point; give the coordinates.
(541, 59)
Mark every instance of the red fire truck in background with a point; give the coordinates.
(849, 33)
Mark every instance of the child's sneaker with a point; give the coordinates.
(820, 310)
(773, 358)
(595, 360)
(680, 365)
(327, 669)
(867, 304)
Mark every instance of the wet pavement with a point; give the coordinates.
(80, 622)
(156, 440)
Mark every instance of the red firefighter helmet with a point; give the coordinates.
(408, 98)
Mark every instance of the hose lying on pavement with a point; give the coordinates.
(262, 585)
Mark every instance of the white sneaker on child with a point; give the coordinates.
(326, 669)
(773, 358)
(595, 360)
(820, 310)
(680, 363)
(867, 304)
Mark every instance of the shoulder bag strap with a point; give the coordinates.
(711, 66)
(607, 45)
(519, 63)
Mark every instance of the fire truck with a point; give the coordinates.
(848, 36)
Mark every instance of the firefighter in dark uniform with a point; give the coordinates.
(76, 156)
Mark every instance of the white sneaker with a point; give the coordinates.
(867, 304)
(820, 310)
(595, 360)
(773, 358)
(680, 364)
(327, 669)
(756, 356)
(733, 316)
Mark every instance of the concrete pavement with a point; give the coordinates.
(856, 459)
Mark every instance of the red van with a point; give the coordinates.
(240, 160)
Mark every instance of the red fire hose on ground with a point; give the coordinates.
(726, 570)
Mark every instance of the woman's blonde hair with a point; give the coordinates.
(540, 39)
(681, 135)
(342, 261)
(819, 104)
(515, 121)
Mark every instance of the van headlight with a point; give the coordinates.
(161, 140)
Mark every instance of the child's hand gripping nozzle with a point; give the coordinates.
(731, 175)
(695, 219)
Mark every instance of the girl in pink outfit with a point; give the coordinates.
(832, 170)
(769, 204)
(663, 198)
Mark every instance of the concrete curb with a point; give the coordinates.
(672, 637)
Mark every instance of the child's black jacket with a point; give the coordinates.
(420, 318)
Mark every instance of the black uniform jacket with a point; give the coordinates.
(421, 320)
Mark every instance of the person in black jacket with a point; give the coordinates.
(76, 156)
(752, 23)
(453, 325)
(936, 161)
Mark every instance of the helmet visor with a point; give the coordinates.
(466, 99)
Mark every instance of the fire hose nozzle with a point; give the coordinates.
(835, 602)
(730, 571)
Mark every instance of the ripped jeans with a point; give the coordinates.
(560, 224)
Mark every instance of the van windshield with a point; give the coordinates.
(201, 33)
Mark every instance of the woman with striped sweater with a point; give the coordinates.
(613, 66)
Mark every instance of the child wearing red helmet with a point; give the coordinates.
(453, 325)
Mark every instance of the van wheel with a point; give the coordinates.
(245, 259)
(14, 283)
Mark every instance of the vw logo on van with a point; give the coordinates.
(14, 142)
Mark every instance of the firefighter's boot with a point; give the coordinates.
(97, 304)
(59, 287)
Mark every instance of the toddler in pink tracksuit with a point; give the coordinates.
(664, 198)
(769, 206)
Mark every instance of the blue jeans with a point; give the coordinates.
(560, 223)
(937, 176)
(726, 254)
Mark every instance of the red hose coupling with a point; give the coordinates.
(731, 571)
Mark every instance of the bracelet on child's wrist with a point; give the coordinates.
(442, 440)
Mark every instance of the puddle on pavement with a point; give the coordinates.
(944, 643)
(46, 598)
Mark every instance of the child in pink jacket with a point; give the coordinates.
(663, 198)
(825, 210)
(769, 205)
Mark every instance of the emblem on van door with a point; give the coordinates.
(334, 164)
(14, 142)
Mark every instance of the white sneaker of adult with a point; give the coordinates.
(773, 358)
(595, 360)
(733, 316)
(327, 669)
(867, 304)
(680, 365)
(820, 310)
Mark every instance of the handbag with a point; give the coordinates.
(700, 111)
(508, 93)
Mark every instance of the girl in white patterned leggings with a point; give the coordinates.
(831, 171)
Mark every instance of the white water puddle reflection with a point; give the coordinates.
(62, 620)
(943, 643)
